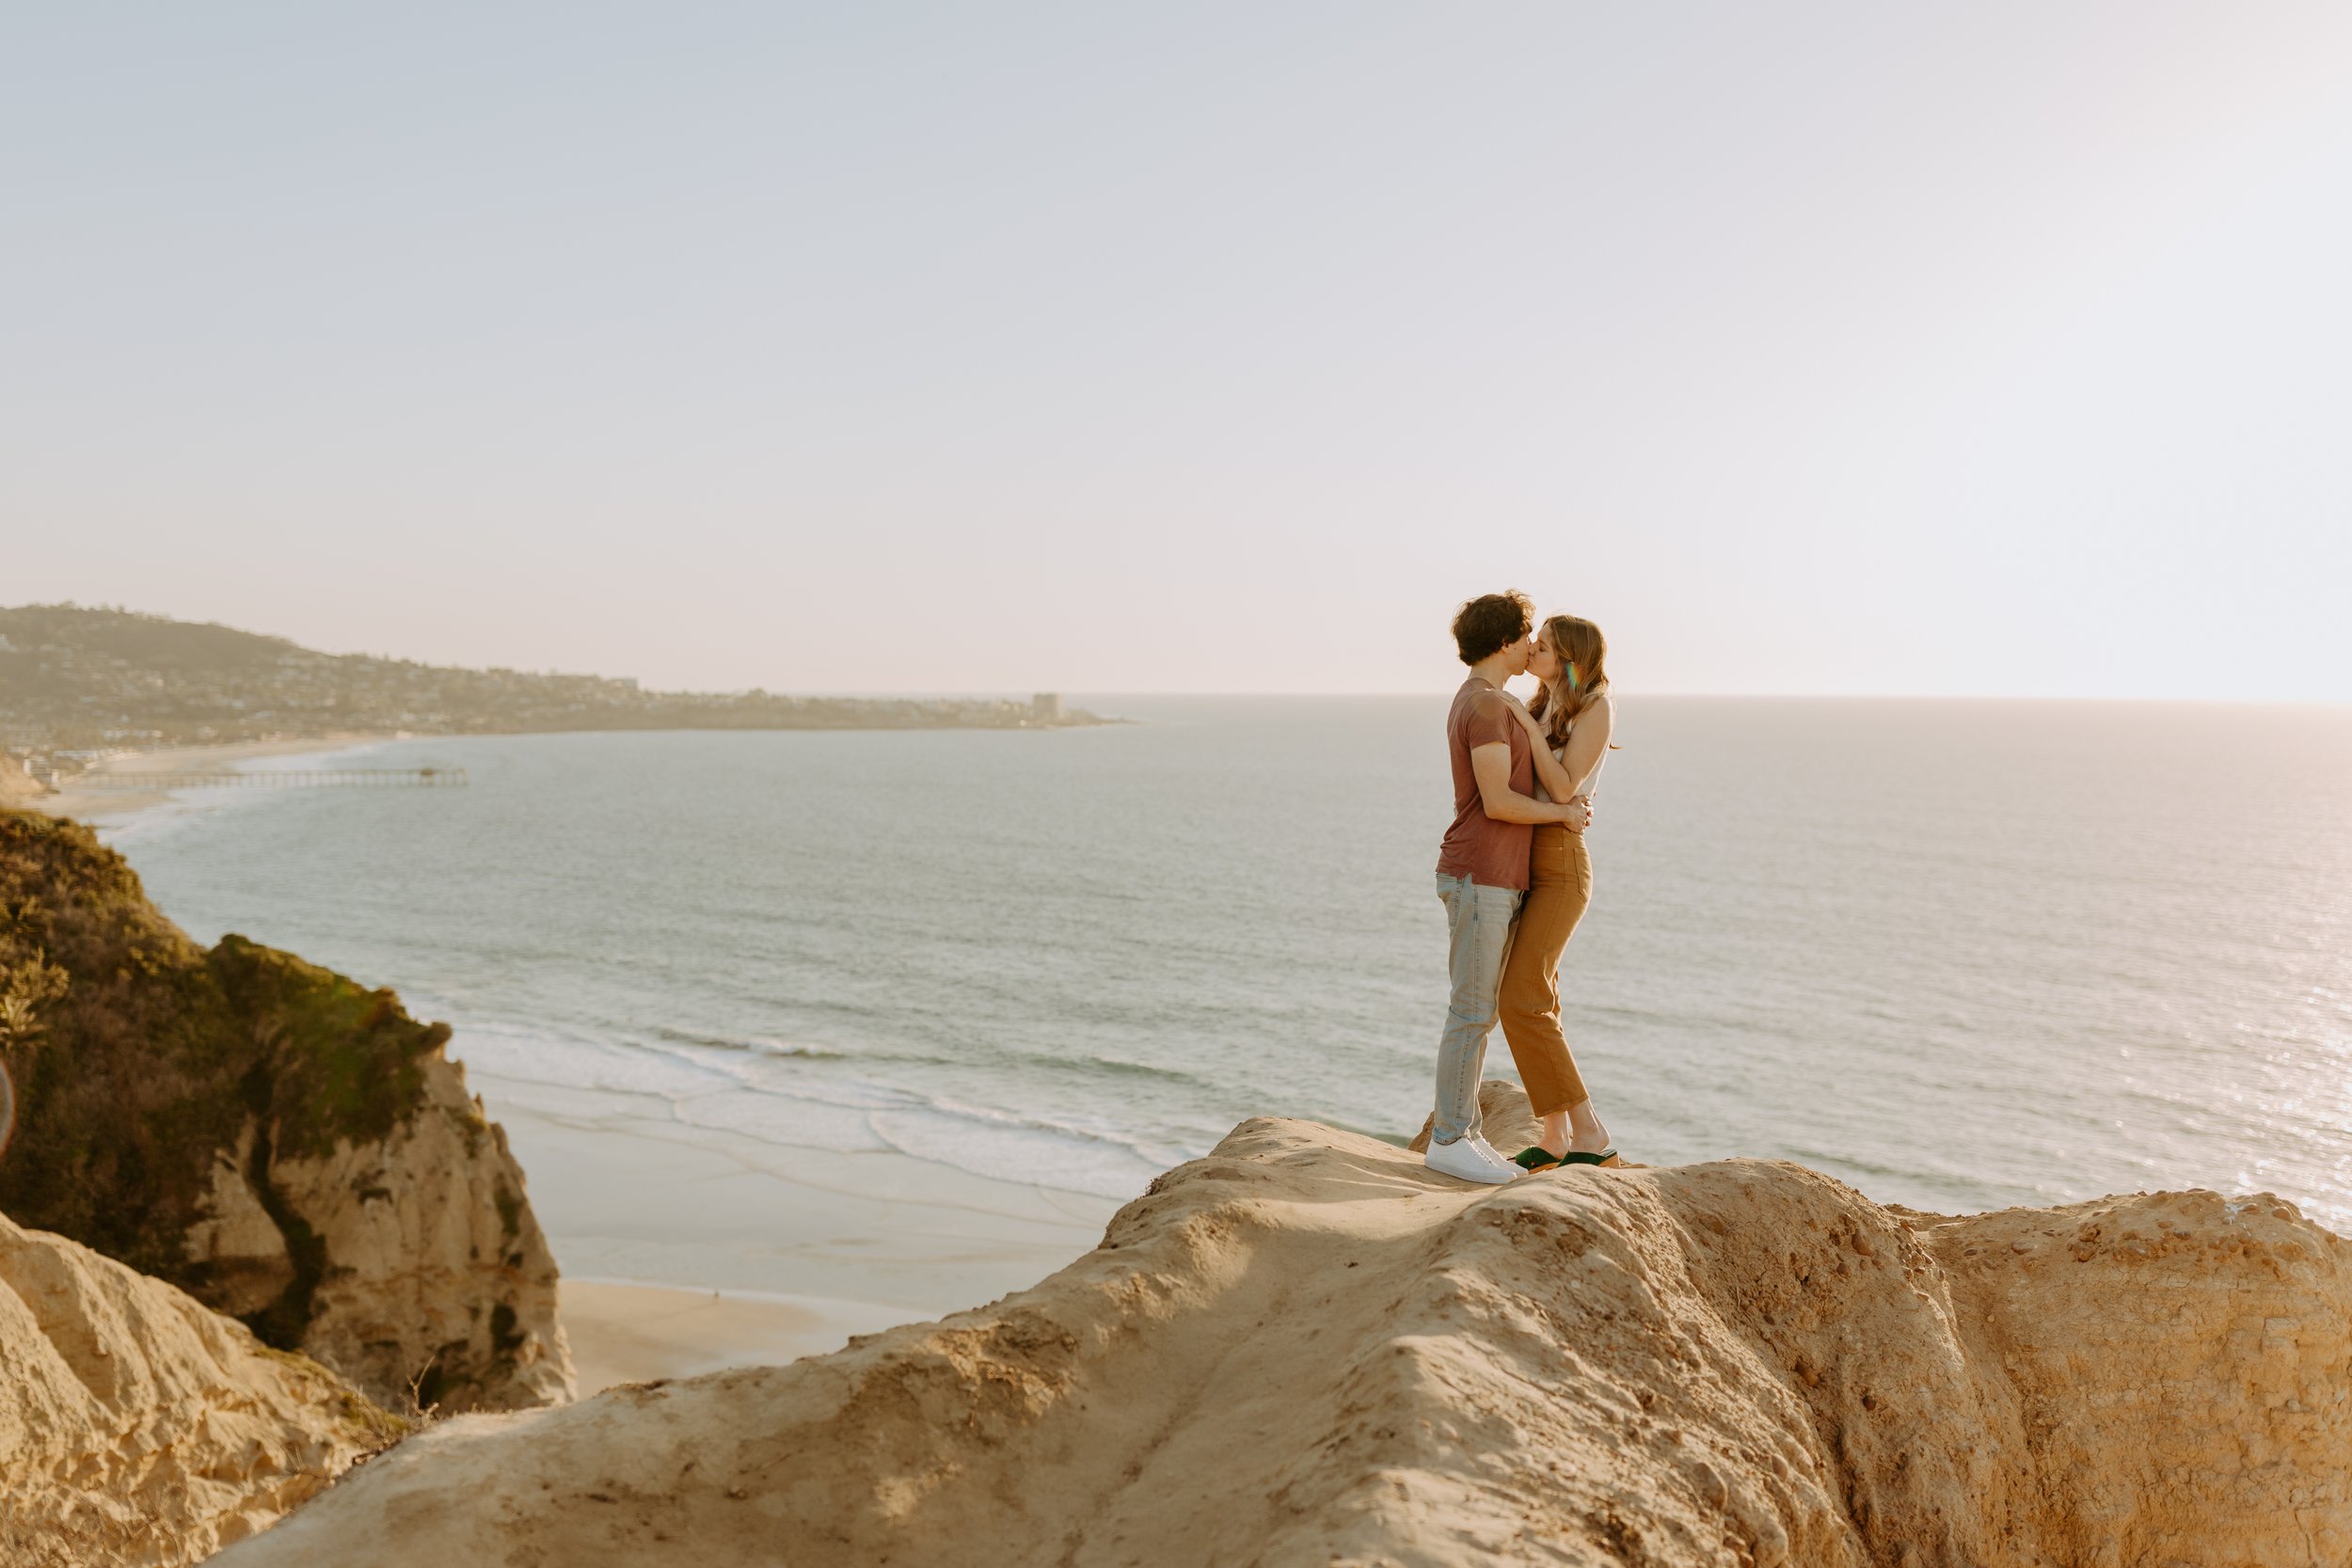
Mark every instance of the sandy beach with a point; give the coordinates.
(791, 1251)
(625, 1331)
(95, 805)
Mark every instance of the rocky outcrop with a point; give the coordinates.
(436, 1273)
(425, 1278)
(138, 1426)
(1306, 1349)
(286, 1145)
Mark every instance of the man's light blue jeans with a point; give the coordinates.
(1478, 934)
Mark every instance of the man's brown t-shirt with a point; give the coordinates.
(1477, 845)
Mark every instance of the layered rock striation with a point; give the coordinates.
(286, 1145)
(1306, 1349)
(139, 1427)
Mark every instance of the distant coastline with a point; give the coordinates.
(82, 691)
(73, 795)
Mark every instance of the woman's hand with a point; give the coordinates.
(1559, 784)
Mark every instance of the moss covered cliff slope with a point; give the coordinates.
(289, 1146)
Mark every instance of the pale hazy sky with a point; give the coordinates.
(1997, 348)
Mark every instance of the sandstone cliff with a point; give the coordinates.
(1306, 1349)
(137, 1426)
(289, 1146)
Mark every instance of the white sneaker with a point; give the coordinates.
(1468, 1159)
(1498, 1157)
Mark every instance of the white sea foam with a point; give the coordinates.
(789, 1120)
(699, 1087)
(992, 1143)
(545, 1058)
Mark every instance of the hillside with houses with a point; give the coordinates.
(78, 683)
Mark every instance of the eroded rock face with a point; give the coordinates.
(236, 1246)
(286, 1145)
(431, 1285)
(138, 1426)
(438, 1276)
(1307, 1349)
(2180, 1346)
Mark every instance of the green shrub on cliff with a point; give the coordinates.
(139, 1057)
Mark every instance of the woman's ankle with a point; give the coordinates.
(1553, 1135)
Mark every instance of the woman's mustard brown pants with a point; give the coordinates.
(1560, 884)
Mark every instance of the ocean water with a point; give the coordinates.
(1961, 953)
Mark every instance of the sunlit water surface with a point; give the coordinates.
(1961, 953)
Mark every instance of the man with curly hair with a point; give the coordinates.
(1483, 865)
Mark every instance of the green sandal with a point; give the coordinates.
(1536, 1157)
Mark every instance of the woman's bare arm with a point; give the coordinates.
(1556, 780)
(1587, 744)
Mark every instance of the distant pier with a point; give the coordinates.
(288, 777)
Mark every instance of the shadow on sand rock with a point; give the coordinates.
(1305, 1348)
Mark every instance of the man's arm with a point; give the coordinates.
(1490, 765)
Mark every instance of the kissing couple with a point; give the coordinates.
(1515, 878)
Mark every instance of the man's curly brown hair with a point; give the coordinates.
(1491, 623)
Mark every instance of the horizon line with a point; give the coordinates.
(1074, 694)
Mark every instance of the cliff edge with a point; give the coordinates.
(1307, 1349)
(289, 1146)
(140, 1427)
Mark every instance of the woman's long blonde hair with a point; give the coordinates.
(1583, 656)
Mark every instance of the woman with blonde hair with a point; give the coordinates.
(1568, 719)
